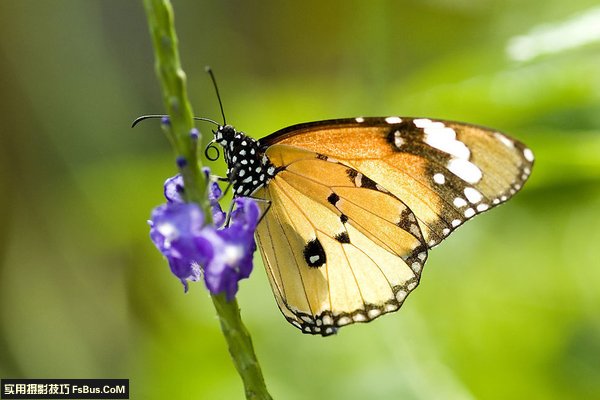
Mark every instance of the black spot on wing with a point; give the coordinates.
(344, 218)
(405, 220)
(368, 183)
(314, 254)
(321, 157)
(408, 222)
(360, 180)
(405, 137)
(342, 237)
(333, 199)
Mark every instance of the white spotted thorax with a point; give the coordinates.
(248, 168)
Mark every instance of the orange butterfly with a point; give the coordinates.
(356, 204)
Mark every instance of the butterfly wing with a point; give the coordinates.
(445, 172)
(337, 247)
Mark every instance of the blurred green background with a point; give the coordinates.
(508, 307)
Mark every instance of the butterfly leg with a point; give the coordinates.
(268, 206)
(267, 202)
(229, 185)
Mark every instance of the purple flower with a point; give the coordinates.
(173, 191)
(229, 250)
(223, 255)
(174, 229)
(214, 195)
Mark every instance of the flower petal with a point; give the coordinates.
(173, 229)
(173, 189)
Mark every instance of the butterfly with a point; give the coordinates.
(353, 206)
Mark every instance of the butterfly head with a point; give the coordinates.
(225, 134)
(248, 168)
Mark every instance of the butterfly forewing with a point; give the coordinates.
(445, 172)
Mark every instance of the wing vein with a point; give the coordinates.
(295, 261)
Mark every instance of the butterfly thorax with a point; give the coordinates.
(248, 168)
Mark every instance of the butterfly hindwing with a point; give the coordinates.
(445, 172)
(338, 248)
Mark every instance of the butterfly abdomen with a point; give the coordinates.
(248, 168)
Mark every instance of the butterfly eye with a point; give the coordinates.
(225, 134)
(227, 131)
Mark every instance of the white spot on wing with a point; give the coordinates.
(447, 144)
(401, 295)
(528, 154)
(469, 212)
(358, 180)
(506, 141)
(465, 170)
(359, 317)
(473, 195)
(416, 267)
(414, 229)
(459, 202)
(421, 122)
(393, 120)
(381, 188)
(391, 307)
(398, 140)
(359, 119)
(442, 138)
(439, 178)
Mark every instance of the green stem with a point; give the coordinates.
(173, 84)
(240, 348)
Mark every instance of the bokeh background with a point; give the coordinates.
(508, 307)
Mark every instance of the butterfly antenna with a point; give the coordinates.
(211, 146)
(143, 117)
(209, 70)
(154, 116)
